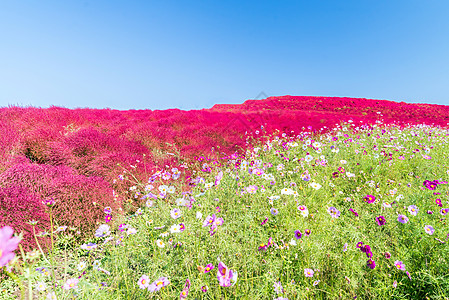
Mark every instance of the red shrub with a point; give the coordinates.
(17, 207)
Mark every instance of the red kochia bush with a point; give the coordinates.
(17, 207)
(80, 200)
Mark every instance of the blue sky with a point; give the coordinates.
(194, 54)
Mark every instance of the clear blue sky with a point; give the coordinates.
(193, 54)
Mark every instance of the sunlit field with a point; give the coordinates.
(357, 212)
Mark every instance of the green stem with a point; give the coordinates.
(30, 287)
(19, 283)
(38, 245)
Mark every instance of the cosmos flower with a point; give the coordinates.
(381, 220)
(278, 289)
(185, 290)
(224, 275)
(345, 247)
(308, 272)
(307, 232)
(298, 234)
(71, 283)
(89, 246)
(158, 284)
(304, 211)
(143, 282)
(402, 219)
(438, 202)
(335, 213)
(208, 268)
(369, 199)
(274, 211)
(175, 213)
(399, 265)
(429, 229)
(371, 264)
(413, 210)
(8, 244)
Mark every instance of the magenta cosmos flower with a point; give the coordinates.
(371, 263)
(369, 199)
(224, 275)
(8, 244)
(185, 290)
(381, 220)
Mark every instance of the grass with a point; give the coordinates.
(327, 174)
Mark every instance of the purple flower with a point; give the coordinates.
(204, 288)
(369, 199)
(209, 220)
(345, 247)
(359, 245)
(429, 229)
(371, 263)
(175, 213)
(274, 211)
(298, 234)
(107, 210)
(402, 219)
(224, 275)
(413, 210)
(308, 272)
(335, 213)
(438, 202)
(354, 212)
(307, 232)
(278, 287)
(102, 231)
(316, 282)
(381, 220)
(444, 211)
(387, 255)
(399, 265)
(264, 222)
(158, 284)
(367, 250)
(8, 244)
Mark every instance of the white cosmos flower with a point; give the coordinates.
(160, 243)
(315, 185)
(81, 266)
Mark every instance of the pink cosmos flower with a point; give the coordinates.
(185, 291)
(158, 284)
(224, 275)
(71, 283)
(143, 282)
(8, 244)
(308, 272)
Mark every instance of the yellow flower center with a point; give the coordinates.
(143, 281)
(207, 269)
(159, 283)
(261, 245)
(72, 284)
